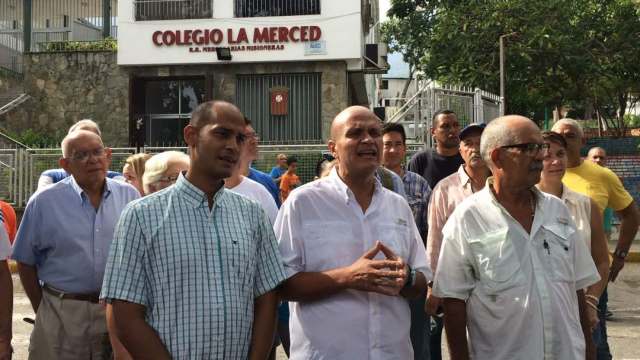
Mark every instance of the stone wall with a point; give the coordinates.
(67, 87)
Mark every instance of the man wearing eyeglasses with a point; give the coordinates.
(62, 247)
(605, 188)
(511, 269)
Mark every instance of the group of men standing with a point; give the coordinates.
(196, 271)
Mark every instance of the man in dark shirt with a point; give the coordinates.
(442, 161)
(434, 165)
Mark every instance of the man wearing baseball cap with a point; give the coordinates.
(451, 191)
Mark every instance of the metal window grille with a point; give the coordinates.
(258, 8)
(172, 9)
(302, 124)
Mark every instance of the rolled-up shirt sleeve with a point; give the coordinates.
(585, 269)
(454, 275)
(289, 233)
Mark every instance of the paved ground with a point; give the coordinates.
(624, 329)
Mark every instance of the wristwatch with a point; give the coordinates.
(620, 254)
(411, 278)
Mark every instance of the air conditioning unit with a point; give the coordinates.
(375, 58)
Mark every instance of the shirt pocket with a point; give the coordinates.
(330, 245)
(559, 251)
(396, 238)
(497, 262)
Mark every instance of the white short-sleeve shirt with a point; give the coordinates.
(520, 288)
(321, 227)
(255, 191)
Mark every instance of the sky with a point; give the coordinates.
(384, 6)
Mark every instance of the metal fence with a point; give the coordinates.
(51, 21)
(20, 168)
(257, 8)
(471, 105)
(172, 9)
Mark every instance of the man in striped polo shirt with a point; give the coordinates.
(192, 269)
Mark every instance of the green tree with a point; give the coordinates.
(552, 56)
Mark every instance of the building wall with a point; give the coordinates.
(67, 87)
(333, 80)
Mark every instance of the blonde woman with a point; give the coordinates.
(133, 170)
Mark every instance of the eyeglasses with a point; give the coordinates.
(531, 149)
(84, 155)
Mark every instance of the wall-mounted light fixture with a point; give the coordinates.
(224, 53)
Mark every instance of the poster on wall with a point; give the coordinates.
(279, 100)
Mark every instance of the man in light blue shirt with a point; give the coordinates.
(193, 267)
(61, 250)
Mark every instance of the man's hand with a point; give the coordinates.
(616, 266)
(592, 318)
(382, 276)
(432, 304)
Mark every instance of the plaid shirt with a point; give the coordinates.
(197, 271)
(418, 192)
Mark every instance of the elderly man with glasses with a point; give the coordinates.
(512, 269)
(62, 247)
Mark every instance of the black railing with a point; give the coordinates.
(258, 8)
(172, 9)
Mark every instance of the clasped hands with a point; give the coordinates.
(385, 276)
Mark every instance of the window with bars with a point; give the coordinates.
(259, 8)
(172, 9)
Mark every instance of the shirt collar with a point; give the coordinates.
(343, 189)
(487, 190)
(465, 180)
(194, 195)
(79, 191)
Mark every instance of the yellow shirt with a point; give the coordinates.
(599, 183)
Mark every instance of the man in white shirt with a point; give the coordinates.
(352, 252)
(6, 294)
(511, 270)
(242, 185)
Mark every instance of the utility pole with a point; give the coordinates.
(503, 96)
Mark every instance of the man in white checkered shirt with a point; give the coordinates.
(193, 268)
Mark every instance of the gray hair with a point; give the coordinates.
(156, 166)
(496, 134)
(66, 142)
(86, 124)
(570, 122)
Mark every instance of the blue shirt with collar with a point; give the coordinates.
(266, 181)
(66, 238)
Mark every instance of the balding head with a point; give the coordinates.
(86, 124)
(215, 138)
(505, 130)
(597, 155)
(76, 137)
(559, 125)
(85, 158)
(211, 111)
(352, 112)
(356, 142)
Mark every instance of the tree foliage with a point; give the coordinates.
(558, 52)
